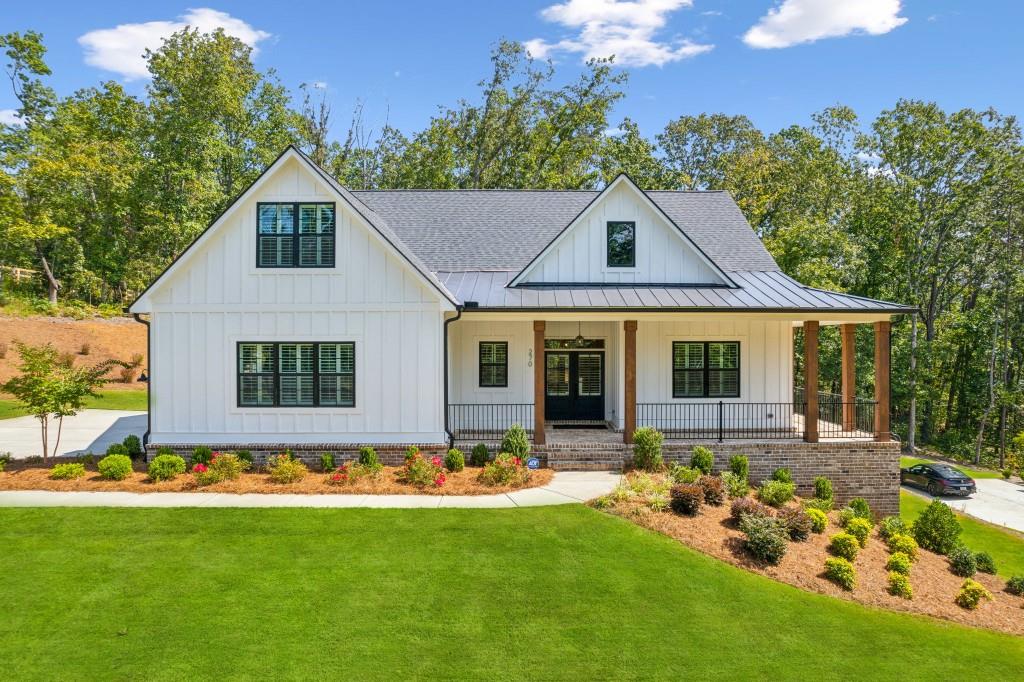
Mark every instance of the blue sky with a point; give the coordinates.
(774, 60)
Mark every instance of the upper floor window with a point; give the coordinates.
(621, 244)
(295, 235)
(493, 364)
(705, 369)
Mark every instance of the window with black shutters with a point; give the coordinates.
(295, 235)
(705, 369)
(493, 364)
(297, 374)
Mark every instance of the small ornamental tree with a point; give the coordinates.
(50, 386)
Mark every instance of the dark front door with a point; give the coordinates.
(574, 386)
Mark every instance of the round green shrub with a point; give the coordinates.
(714, 490)
(745, 506)
(904, 544)
(201, 455)
(734, 485)
(824, 506)
(681, 474)
(327, 461)
(245, 456)
(117, 449)
(286, 469)
(963, 562)
(844, 545)
(899, 585)
(841, 572)
(479, 456)
(798, 523)
(740, 466)
(515, 442)
(686, 498)
(368, 456)
(133, 446)
(823, 491)
(845, 516)
(971, 593)
(986, 564)
(899, 563)
(937, 529)
(115, 467)
(767, 537)
(1015, 585)
(776, 493)
(819, 519)
(892, 525)
(702, 459)
(166, 467)
(860, 508)
(782, 474)
(67, 471)
(454, 460)
(647, 442)
(860, 529)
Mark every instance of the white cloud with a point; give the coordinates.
(804, 21)
(9, 117)
(611, 27)
(120, 49)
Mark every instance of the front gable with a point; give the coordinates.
(663, 254)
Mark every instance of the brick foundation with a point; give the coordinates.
(390, 454)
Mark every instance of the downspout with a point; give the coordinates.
(149, 385)
(447, 426)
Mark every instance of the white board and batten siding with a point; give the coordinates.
(371, 297)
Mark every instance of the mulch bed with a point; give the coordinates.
(935, 586)
(20, 476)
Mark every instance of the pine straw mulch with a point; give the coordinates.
(935, 586)
(20, 476)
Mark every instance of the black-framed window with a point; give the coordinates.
(295, 235)
(297, 374)
(493, 364)
(621, 244)
(705, 369)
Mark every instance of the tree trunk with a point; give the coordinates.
(912, 416)
(42, 425)
(991, 393)
(56, 445)
(52, 285)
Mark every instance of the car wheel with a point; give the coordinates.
(933, 489)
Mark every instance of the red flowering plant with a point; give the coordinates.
(222, 467)
(199, 468)
(421, 472)
(350, 472)
(505, 470)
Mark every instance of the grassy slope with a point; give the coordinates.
(1005, 546)
(973, 473)
(551, 593)
(108, 400)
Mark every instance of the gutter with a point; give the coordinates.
(149, 386)
(444, 350)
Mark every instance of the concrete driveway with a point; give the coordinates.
(996, 501)
(88, 431)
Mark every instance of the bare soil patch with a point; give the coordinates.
(20, 476)
(935, 586)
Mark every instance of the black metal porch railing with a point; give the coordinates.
(838, 418)
(488, 420)
(721, 420)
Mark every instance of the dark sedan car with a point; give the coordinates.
(938, 479)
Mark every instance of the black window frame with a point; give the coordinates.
(607, 244)
(706, 371)
(481, 364)
(296, 235)
(276, 374)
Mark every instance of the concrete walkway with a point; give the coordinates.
(996, 501)
(567, 487)
(88, 431)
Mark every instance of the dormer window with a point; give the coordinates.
(621, 244)
(295, 235)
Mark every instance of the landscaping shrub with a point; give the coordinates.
(480, 455)
(702, 459)
(714, 490)
(420, 471)
(824, 506)
(746, 506)
(903, 544)
(971, 593)
(899, 585)
(116, 467)
(819, 519)
(841, 572)
(798, 523)
(1015, 585)
(515, 442)
(937, 529)
(844, 545)
(67, 471)
(454, 460)
(735, 486)
(776, 493)
(201, 455)
(284, 468)
(5, 459)
(686, 498)
(368, 456)
(88, 459)
(860, 529)
(350, 472)
(766, 537)
(658, 502)
(782, 474)
(845, 516)
(506, 469)
(986, 564)
(117, 449)
(899, 563)
(133, 446)
(861, 509)
(327, 461)
(892, 525)
(639, 482)
(164, 450)
(647, 443)
(823, 491)
(962, 562)
(166, 467)
(245, 456)
(681, 474)
(222, 467)
(740, 466)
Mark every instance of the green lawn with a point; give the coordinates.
(542, 593)
(973, 473)
(108, 400)
(1005, 546)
